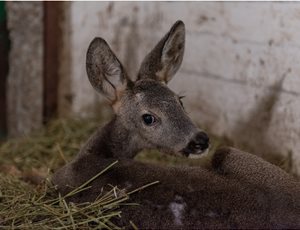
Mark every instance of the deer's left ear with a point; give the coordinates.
(104, 70)
(165, 59)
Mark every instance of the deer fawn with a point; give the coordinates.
(238, 190)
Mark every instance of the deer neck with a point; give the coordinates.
(112, 141)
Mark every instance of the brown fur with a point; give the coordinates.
(239, 190)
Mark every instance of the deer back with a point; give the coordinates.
(194, 197)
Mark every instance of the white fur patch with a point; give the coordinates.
(177, 207)
(212, 214)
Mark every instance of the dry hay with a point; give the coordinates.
(29, 201)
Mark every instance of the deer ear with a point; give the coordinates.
(165, 59)
(104, 70)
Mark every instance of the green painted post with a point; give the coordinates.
(3, 29)
(2, 11)
(4, 50)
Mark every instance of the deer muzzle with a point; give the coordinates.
(198, 145)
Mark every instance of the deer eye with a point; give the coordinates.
(149, 119)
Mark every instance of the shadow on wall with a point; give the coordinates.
(252, 134)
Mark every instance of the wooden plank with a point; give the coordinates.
(52, 36)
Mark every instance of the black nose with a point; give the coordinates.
(198, 144)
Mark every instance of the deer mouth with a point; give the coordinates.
(194, 154)
(199, 155)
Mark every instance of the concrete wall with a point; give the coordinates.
(240, 74)
(25, 78)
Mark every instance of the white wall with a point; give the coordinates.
(241, 71)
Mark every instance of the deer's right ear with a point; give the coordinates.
(104, 70)
(164, 60)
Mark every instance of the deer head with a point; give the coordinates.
(146, 108)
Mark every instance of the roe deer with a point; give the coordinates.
(238, 190)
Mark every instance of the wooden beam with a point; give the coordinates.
(52, 38)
